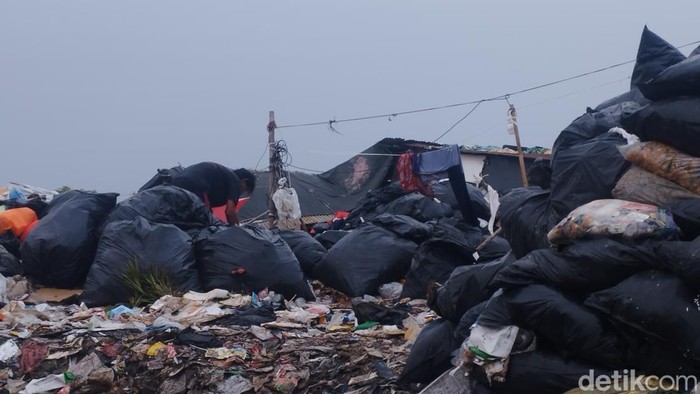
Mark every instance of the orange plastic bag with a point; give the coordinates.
(17, 220)
(665, 162)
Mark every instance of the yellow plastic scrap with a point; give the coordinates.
(155, 348)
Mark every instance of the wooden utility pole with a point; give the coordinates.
(272, 184)
(512, 116)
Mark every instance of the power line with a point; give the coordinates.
(458, 122)
(261, 157)
(306, 169)
(391, 115)
(550, 100)
(351, 153)
(388, 115)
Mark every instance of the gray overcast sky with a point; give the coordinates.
(98, 94)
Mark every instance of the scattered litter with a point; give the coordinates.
(116, 313)
(8, 350)
(261, 333)
(49, 383)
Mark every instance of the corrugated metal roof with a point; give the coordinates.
(313, 219)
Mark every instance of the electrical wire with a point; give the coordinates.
(341, 172)
(458, 122)
(547, 101)
(282, 159)
(330, 123)
(306, 169)
(391, 115)
(261, 156)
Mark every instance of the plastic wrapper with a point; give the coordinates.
(666, 162)
(605, 218)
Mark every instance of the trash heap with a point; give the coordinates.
(604, 269)
(158, 268)
(217, 341)
(595, 274)
(170, 299)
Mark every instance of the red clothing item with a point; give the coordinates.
(409, 181)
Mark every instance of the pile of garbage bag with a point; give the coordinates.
(596, 270)
(604, 270)
(162, 240)
(393, 236)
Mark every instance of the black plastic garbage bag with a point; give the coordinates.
(686, 214)
(458, 231)
(681, 258)
(249, 258)
(404, 226)
(59, 250)
(10, 242)
(434, 262)
(480, 207)
(526, 218)
(586, 172)
(330, 237)
(572, 328)
(582, 267)
(695, 52)
(496, 313)
(164, 205)
(63, 198)
(592, 124)
(656, 304)
(417, 206)
(202, 339)
(653, 56)
(431, 355)
(680, 79)
(449, 248)
(318, 228)
(308, 251)
(541, 372)
(162, 177)
(464, 327)
(634, 95)
(372, 204)
(651, 356)
(466, 287)
(9, 264)
(151, 249)
(494, 250)
(251, 316)
(674, 122)
(39, 207)
(369, 311)
(364, 260)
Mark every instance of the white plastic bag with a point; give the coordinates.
(288, 208)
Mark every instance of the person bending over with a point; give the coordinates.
(217, 185)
